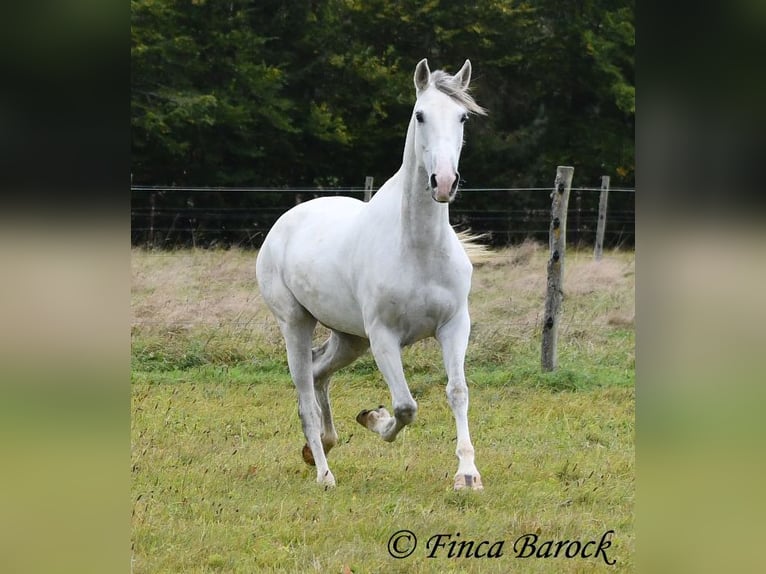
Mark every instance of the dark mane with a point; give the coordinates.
(447, 84)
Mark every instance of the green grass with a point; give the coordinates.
(218, 481)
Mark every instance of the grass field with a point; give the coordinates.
(218, 483)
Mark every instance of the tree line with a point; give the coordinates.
(319, 93)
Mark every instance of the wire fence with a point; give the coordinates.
(185, 216)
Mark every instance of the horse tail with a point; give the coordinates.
(477, 252)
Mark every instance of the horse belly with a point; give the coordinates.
(336, 310)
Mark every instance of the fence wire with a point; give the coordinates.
(195, 216)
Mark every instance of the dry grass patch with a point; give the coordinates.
(191, 307)
(195, 288)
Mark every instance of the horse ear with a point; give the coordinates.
(464, 75)
(422, 75)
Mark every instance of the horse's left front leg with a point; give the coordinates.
(453, 338)
(387, 351)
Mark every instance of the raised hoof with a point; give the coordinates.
(368, 418)
(361, 418)
(463, 481)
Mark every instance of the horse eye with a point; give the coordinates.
(463, 118)
(419, 117)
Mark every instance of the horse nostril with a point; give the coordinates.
(433, 180)
(454, 183)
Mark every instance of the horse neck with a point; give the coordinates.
(424, 221)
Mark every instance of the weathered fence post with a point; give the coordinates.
(557, 241)
(367, 188)
(578, 212)
(152, 210)
(598, 249)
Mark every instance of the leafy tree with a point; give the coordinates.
(207, 106)
(296, 93)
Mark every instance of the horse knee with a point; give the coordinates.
(457, 394)
(406, 414)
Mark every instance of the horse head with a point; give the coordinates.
(441, 110)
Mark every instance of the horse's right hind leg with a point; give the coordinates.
(338, 351)
(297, 327)
(298, 333)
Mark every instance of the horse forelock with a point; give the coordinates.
(449, 85)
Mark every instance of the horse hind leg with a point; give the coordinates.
(297, 327)
(338, 351)
(298, 332)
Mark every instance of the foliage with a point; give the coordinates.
(315, 93)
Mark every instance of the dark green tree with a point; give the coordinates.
(296, 93)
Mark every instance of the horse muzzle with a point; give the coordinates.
(444, 188)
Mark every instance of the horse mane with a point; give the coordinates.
(447, 84)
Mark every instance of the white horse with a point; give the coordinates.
(382, 275)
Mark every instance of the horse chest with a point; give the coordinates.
(415, 309)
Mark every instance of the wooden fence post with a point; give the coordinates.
(367, 188)
(557, 241)
(598, 249)
(152, 209)
(577, 239)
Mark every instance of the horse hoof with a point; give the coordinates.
(361, 418)
(373, 419)
(463, 481)
(327, 480)
(308, 457)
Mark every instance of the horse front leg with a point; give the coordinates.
(453, 338)
(387, 352)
